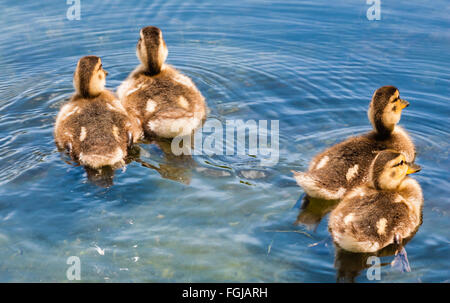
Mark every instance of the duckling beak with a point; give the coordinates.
(106, 73)
(413, 168)
(403, 103)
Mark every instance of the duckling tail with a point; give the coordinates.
(97, 160)
(314, 188)
(303, 179)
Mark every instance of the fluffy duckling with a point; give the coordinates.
(166, 102)
(386, 210)
(345, 165)
(93, 126)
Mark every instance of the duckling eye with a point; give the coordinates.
(400, 163)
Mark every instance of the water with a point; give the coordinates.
(313, 65)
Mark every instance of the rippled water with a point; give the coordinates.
(313, 65)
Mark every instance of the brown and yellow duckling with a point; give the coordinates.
(93, 127)
(346, 164)
(386, 210)
(166, 102)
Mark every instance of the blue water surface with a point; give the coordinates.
(312, 65)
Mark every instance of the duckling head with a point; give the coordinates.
(151, 49)
(385, 109)
(89, 78)
(389, 168)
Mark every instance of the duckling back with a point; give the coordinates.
(168, 104)
(339, 168)
(96, 131)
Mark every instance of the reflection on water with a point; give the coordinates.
(312, 65)
(176, 168)
(313, 210)
(349, 264)
(103, 177)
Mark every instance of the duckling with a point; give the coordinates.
(345, 165)
(385, 210)
(93, 127)
(166, 102)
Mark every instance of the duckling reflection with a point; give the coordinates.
(313, 210)
(102, 177)
(176, 168)
(350, 264)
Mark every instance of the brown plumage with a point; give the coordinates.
(166, 102)
(93, 126)
(345, 165)
(383, 211)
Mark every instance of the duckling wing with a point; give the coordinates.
(369, 222)
(64, 137)
(341, 167)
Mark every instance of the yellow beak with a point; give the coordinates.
(403, 103)
(413, 168)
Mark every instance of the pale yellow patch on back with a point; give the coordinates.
(117, 105)
(349, 218)
(67, 111)
(183, 80)
(129, 92)
(399, 199)
(64, 113)
(381, 226)
(116, 132)
(109, 106)
(151, 106)
(352, 172)
(322, 162)
(183, 102)
(83, 133)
